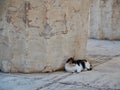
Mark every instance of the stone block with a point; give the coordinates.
(41, 34)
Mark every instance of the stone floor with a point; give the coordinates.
(105, 57)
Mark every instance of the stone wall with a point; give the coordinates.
(105, 19)
(2, 28)
(39, 35)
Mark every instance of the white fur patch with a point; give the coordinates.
(79, 68)
(70, 68)
(73, 68)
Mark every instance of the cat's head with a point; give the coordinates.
(88, 65)
(91, 67)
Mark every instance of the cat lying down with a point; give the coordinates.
(72, 65)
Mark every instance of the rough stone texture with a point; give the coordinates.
(40, 35)
(116, 19)
(102, 51)
(2, 27)
(105, 19)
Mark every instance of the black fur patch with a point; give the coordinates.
(78, 62)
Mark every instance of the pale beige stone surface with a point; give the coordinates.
(105, 19)
(40, 35)
(2, 28)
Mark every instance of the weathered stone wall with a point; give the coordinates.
(2, 28)
(116, 19)
(40, 35)
(105, 19)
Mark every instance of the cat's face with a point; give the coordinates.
(91, 67)
(87, 65)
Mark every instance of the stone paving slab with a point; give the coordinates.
(101, 51)
(29, 81)
(112, 66)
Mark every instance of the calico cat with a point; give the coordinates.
(72, 65)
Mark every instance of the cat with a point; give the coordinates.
(72, 65)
